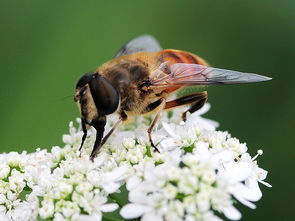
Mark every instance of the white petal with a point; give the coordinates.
(261, 173)
(95, 217)
(202, 150)
(239, 171)
(109, 207)
(2, 199)
(99, 160)
(138, 195)
(209, 215)
(118, 173)
(132, 210)
(248, 193)
(209, 124)
(22, 212)
(111, 187)
(2, 210)
(224, 156)
(253, 185)
(4, 217)
(232, 213)
(205, 123)
(170, 143)
(245, 202)
(169, 130)
(133, 182)
(151, 217)
(203, 110)
(58, 217)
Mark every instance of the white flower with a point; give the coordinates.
(4, 217)
(199, 171)
(170, 191)
(208, 173)
(47, 209)
(4, 170)
(70, 209)
(94, 217)
(203, 122)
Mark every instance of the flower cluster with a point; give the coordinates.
(198, 181)
(198, 174)
(18, 184)
(74, 188)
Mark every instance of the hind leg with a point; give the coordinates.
(161, 105)
(197, 100)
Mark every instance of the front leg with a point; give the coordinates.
(84, 133)
(99, 142)
(99, 125)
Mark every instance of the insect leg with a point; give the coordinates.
(99, 125)
(84, 133)
(198, 100)
(95, 150)
(161, 108)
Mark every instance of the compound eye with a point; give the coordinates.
(105, 96)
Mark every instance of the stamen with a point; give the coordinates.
(264, 183)
(259, 152)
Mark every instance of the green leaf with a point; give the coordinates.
(113, 216)
(189, 149)
(121, 198)
(148, 151)
(170, 114)
(40, 219)
(180, 196)
(27, 190)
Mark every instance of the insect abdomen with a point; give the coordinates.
(173, 56)
(177, 56)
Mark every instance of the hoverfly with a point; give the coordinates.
(140, 79)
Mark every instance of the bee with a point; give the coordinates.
(139, 80)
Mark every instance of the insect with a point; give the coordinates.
(139, 80)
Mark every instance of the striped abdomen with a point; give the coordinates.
(177, 56)
(173, 56)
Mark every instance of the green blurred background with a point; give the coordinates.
(45, 46)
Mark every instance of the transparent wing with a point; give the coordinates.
(181, 74)
(141, 43)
